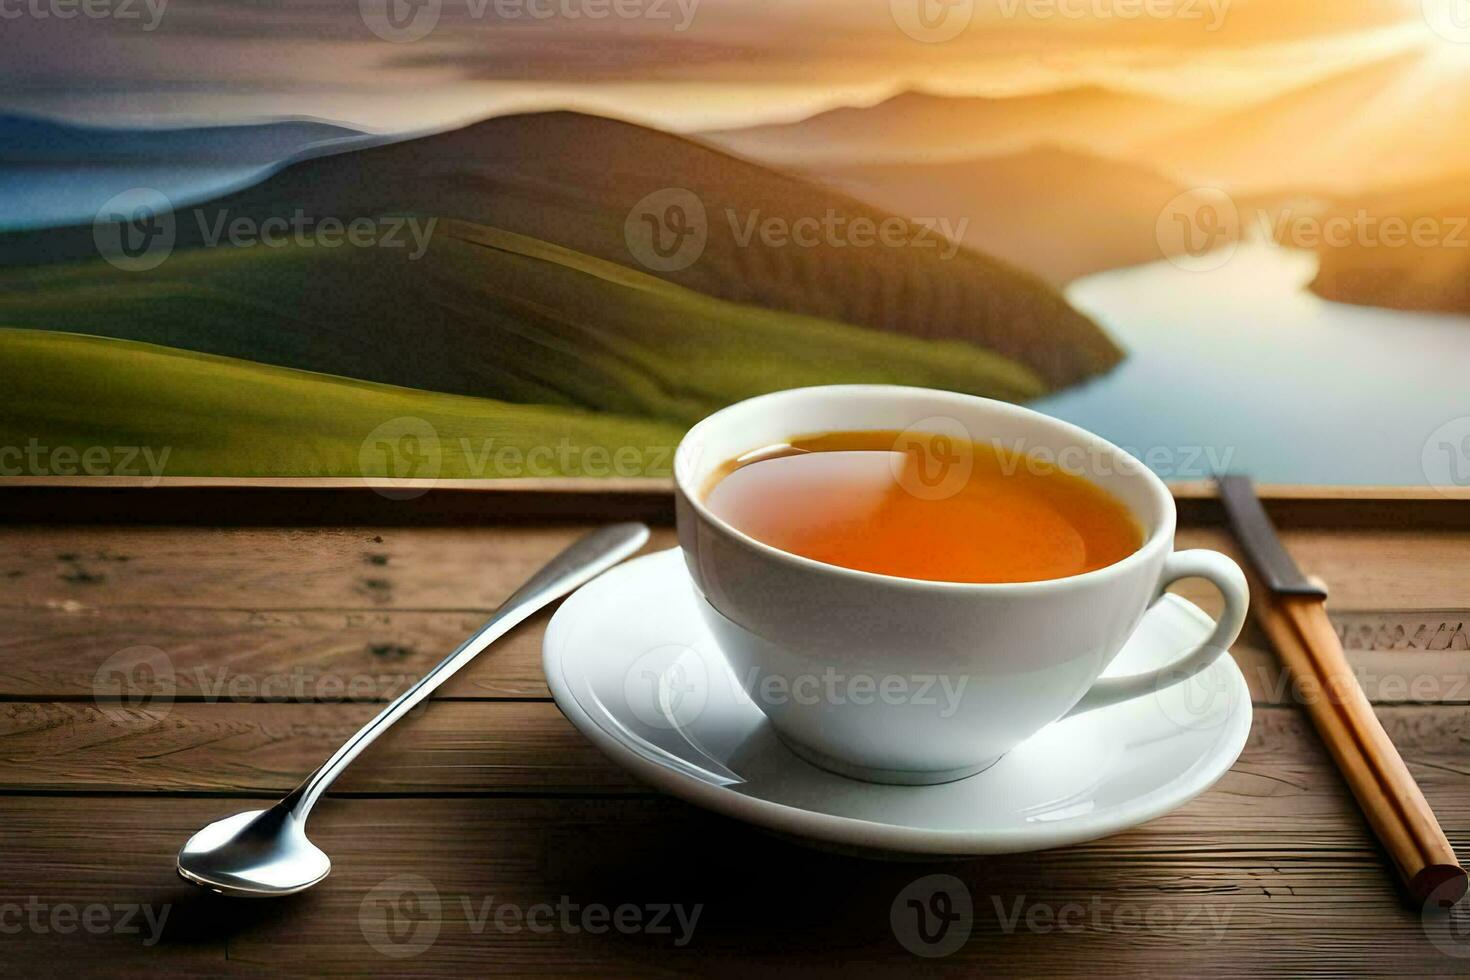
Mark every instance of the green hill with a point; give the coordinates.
(574, 180)
(489, 314)
(215, 416)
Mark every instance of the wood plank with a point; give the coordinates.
(1283, 778)
(265, 749)
(474, 567)
(238, 655)
(1151, 902)
(1371, 569)
(335, 568)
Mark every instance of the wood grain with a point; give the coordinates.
(61, 651)
(490, 795)
(1154, 902)
(438, 568)
(331, 568)
(239, 655)
(1284, 780)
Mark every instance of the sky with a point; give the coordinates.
(409, 65)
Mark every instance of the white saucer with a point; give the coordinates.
(631, 665)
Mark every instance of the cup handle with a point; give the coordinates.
(1199, 563)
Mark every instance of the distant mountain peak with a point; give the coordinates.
(29, 139)
(920, 98)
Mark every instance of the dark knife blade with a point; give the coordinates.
(1257, 535)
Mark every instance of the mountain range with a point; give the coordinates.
(923, 127)
(573, 181)
(1060, 213)
(1406, 249)
(35, 140)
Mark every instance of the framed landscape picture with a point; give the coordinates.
(436, 240)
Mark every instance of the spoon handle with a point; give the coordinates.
(582, 561)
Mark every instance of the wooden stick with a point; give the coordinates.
(1385, 789)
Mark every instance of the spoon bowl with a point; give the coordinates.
(255, 854)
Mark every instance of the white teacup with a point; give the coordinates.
(901, 680)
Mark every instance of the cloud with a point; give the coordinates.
(301, 48)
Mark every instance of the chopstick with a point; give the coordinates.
(1385, 789)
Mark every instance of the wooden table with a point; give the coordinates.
(173, 653)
